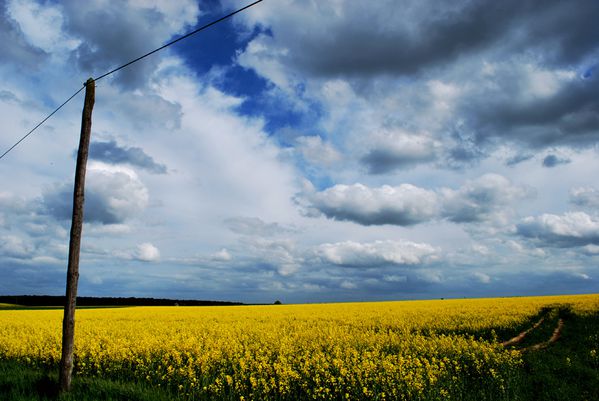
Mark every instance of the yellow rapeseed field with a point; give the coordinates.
(352, 351)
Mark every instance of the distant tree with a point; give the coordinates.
(277, 302)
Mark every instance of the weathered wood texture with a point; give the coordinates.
(68, 323)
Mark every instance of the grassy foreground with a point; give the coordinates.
(565, 370)
(19, 382)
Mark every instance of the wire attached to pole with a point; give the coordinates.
(128, 64)
(177, 40)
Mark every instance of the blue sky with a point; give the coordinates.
(305, 151)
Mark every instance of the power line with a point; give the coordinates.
(178, 39)
(128, 64)
(41, 122)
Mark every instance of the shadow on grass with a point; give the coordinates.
(47, 387)
(19, 382)
(569, 368)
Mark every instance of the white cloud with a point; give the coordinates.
(112, 195)
(378, 253)
(485, 198)
(262, 55)
(479, 199)
(403, 205)
(585, 197)
(147, 252)
(395, 279)
(482, 277)
(42, 25)
(591, 249)
(221, 256)
(348, 285)
(582, 276)
(15, 247)
(316, 151)
(571, 229)
(399, 150)
(280, 253)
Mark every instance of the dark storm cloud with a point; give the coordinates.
(118, 38)
(119, 32)
(517, 159)
(368, 43)
(358, 49)
(15, 49)
(553, 160)
(382, 161)
(34, 279)
(58, 203)
(384, 37)
(111, 152)
(568, 117)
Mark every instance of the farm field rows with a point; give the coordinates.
(409, 350)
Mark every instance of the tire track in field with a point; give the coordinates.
(557, 333)
(518, 339)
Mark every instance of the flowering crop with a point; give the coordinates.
(355, 351)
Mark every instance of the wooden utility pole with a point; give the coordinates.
(68, 323)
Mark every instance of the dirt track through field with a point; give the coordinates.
(557, 333)
(521, 336)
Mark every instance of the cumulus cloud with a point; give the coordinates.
(404, 205)
(512, 69)
(423, 88)
(280, 254)
(41, 25)
(585, 197)
(316, 151)
(111, 152)
(505, 105)
(146, 252)
(136, 27)
(112, 195)
(376, 254)
(20, 52)
(412, 38)
(477, 200)
(571, 229)
(398, 150)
